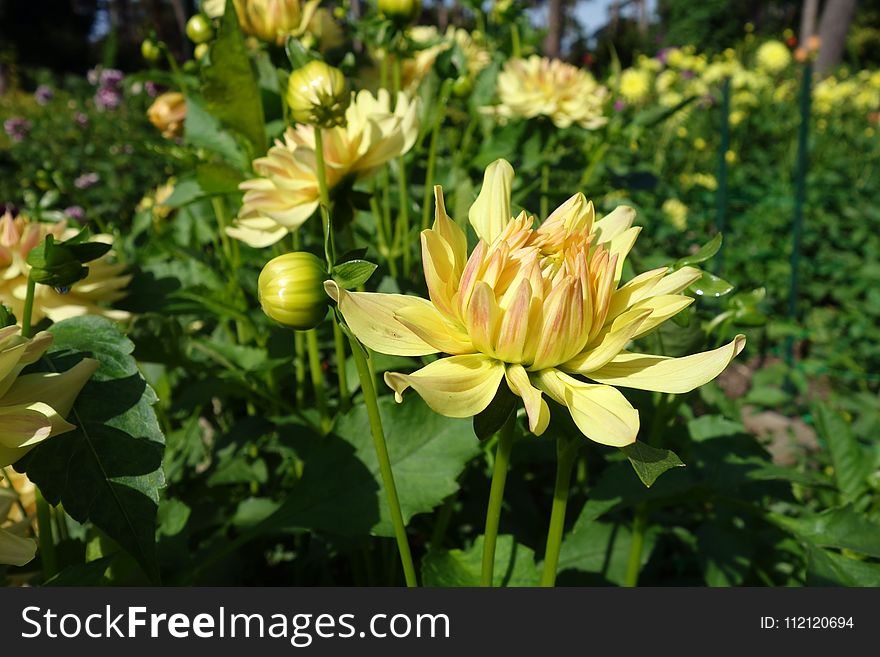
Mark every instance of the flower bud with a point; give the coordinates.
(273, 20)
(150, 51)
(291, 290)
(168, 112)
(199, 29)
(200, 51)
(318, 94)
(400, 11)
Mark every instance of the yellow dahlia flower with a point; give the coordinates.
(105, 283)
(539, 86)
(676, 212)
(773, 56)
(635, 84)
(540, 309)
(274, 20)
(168, 113)
(286, 193)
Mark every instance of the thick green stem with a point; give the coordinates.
(634, 563)
(372, 403)
(566, 452)
(515, 46)
(339, 343)
(47, 543)
(28, 308)
(317, 378)
(299, 346)
(325, 199)
(496, 498)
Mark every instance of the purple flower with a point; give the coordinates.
(86, 180)
(662, 54)
(107, 98)
(75, 212)
(151, 88)
(111, 77)
(687, 75)
(17, 128)
(81, 119)
(43, 94)
(619, 105)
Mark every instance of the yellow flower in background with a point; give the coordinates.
(274, 20)
(635, 84)
(326, 31)
(700, 144)
(286, 193)
(676, 212)
(773, 56)
(538, 86)
(105, 282)
(168, 113)
(33, 407)
(539, 309)
(730, 157)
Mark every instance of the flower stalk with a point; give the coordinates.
(566, 454)
(496, 499)
(28, 308)
(317, 378)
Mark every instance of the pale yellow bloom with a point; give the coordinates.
(773, 56)
(168, 113)
(635, 84)
(274, 20)
(539, 309)
(286, 193)
(676, 212)
(538, 86)
(105, 282)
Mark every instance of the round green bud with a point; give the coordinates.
(199, 30)
(462, 86)
(317, 94)
(400, 11)
(150, 51)
(291, 290)
(200, 51)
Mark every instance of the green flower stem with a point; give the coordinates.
(47, 544)
(325, 199)
(515, 47)
(545, 190)
(566, 453)
(381, 232)
(402, 234)
(432, 153)
(220, 213)
(28, 308)
(317, 378)
(496, 498)
(372, 403)
(637, 543)
(340, 365)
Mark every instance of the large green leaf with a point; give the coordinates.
(514, 565)
(851, 467)
(599, 552)
(840, 528)
(109, 470)
(427, 452)
(650, 462)
(230, 87)
(826, 568)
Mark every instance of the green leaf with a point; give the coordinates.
(218, 178)
(84, 574)
(427, 451)
(514, 565)
(650, 462)
(204, 130)
(842, 528)
(705, 252)
(354, 273)
(851, 466)
(599, 552)
(492, 418)
(185, 192)
(229, 84)
(710, 285)
(109, 469)
(826, 568)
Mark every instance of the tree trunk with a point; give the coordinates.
(809, 12)
(555, 18)
(833, 26)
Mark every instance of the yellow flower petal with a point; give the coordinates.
(610, 343)
(662, 308)
(16, 550)
(24, 426)
(613, 224)
(371, 317)
(490, 213)
(663, 374)
(60, 390)
(431, 326)
(601, 412)
(677, 281)
(634, 291)
(536, 408)
(458, 386)
(621, 246)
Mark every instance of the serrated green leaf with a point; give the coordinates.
(650, 462)
(514, 565)
(851, 467)
(354, 273)
(107, 471)
(229, 87)
(203, 130)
